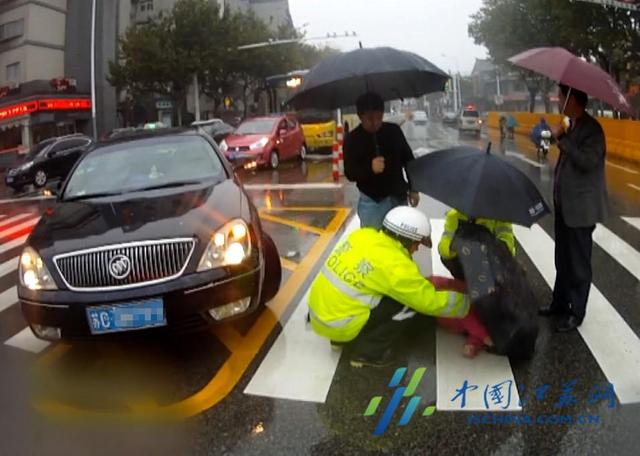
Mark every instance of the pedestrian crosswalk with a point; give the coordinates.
(616, 349)
(610, 340)
(14, 231)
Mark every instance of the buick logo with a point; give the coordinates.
(119, 266)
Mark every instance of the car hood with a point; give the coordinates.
(196, 211)
(243, 140)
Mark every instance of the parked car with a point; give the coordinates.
(450, 118)
(470, 122)
(265, 141)
(51, 158)
(419, 118)
(150, 231)
(215, 128)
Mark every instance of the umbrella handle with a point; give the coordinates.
(566, 100)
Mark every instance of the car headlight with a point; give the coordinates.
(26, 166)
(230, 245)
(259, 144)
(223, 146)
(33, 273)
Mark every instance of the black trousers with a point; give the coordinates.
(573, 268)
(388, 322)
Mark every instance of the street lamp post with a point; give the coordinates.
(93, 70)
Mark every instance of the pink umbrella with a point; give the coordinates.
(561, 65)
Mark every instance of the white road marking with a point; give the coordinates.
(633, 221)
(13, 244)
(453, 369)
(9, 266)
(613, 344)
(629, 170)
(300, 365)
(25, 340)
(309, 186)
(524, 159)
(8, 298)
(28, 198)
(622, 252)
(13, 219)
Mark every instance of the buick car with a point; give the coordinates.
(150, 233)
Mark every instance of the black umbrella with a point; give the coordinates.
(340, 79)
(478, 184)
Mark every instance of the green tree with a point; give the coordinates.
(605, 35)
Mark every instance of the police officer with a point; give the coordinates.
(501, 230)
(369, 288)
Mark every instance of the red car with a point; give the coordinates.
(265, 141)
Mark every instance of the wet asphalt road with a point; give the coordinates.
(72, 399)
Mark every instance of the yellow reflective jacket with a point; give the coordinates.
(501, 230)
(363, 269)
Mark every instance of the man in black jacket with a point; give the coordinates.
(375, 155)
(580, 200)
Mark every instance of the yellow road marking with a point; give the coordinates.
(288, 264)
(292, 223)
(304, 209)
(53, 355)
(244, 348)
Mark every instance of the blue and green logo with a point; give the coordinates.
(399, 393)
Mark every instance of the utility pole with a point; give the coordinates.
(93, 70)
(196, 89)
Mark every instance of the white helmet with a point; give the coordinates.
(408, 222)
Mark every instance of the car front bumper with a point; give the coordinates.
(186, 299)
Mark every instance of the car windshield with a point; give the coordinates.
(310, 116)
(470, 114)
(256, 127)
(133, 166)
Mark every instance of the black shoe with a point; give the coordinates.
(359, 361)
(568, 324)
(550, 310)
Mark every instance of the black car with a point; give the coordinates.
(148, 232)
(51, 158)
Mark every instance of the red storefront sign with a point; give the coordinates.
(49, 104)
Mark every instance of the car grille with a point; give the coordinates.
(147, 262)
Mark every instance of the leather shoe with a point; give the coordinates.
(568, 324)
(549, 310)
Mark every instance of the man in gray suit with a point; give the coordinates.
(580, 200)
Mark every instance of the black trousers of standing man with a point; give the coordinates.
(573, 268)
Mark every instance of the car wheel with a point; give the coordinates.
(273, 269)
(274, 159)
(40, 178)
(303, 152)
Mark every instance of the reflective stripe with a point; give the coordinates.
(404, 314)
(448, 234)
(464, 306)
(451, 305)
(329, 324)
(371, 301)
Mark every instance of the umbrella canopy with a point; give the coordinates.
(562, 66)
(478, 184)
(340, 79)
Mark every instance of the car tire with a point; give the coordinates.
(273, 269)
(303, 152)
(40, 178)
(274, 159)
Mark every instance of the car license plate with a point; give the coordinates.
(9, 180)
(126, 316)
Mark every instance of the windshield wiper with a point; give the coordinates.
(167, 185)
(91, 195)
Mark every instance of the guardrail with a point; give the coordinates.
(622, 136)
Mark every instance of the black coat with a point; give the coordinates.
(499, 291)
